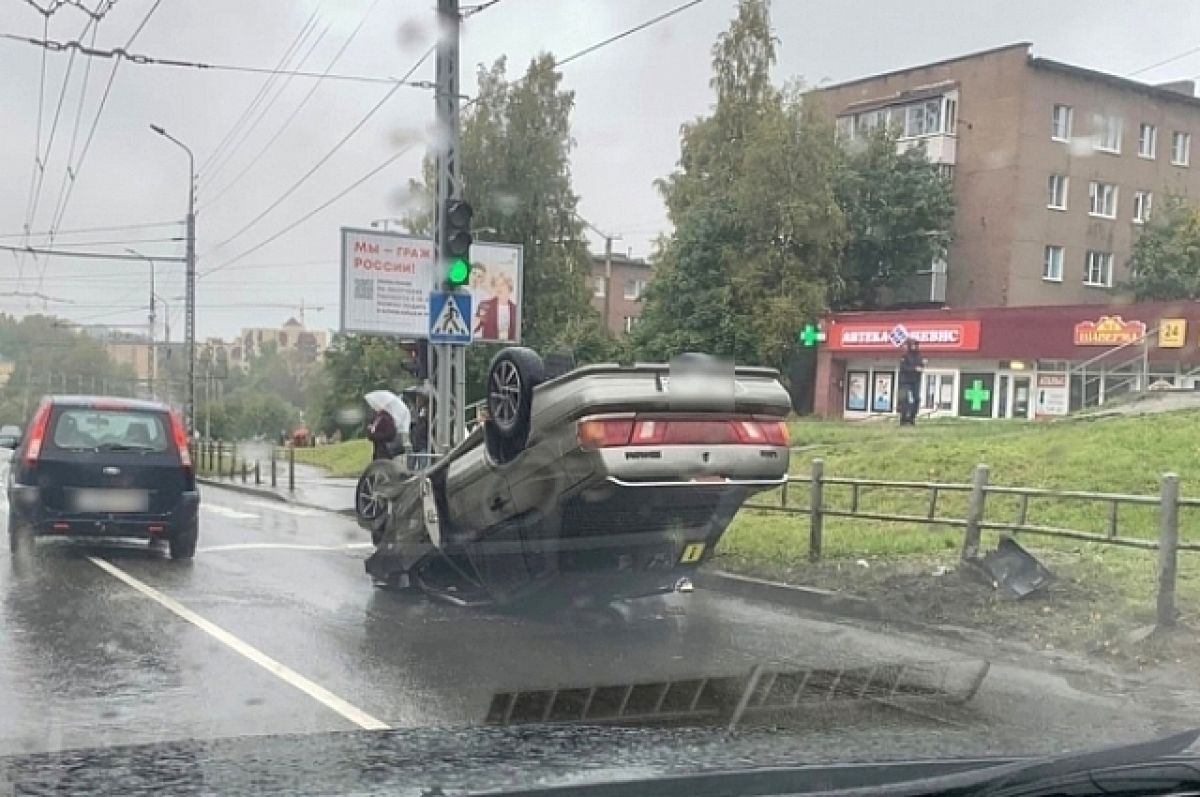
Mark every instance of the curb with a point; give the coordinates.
(825, 601)
(260, 492)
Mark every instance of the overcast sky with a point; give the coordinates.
(631, 98)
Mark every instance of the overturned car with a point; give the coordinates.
(606, 483)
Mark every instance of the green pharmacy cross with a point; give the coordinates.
(811, 335)
(977, 395)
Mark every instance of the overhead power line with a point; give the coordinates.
(262, 90)
(102, 8)
(254, 161)
(89, 255)
(325, 158)
(87, 144)
(1165, 61)
(122, 54)
(77, 230)
(403, 150)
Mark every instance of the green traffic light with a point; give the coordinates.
(459, 273)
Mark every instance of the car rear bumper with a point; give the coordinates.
(761, 466)
(26, 504)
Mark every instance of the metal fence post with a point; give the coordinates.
(975, 513)
(274, 480)
(816, 519)
(220, 458)
(245, 469)
(1168, 551)
(232, 461)
(257, 473)
(292, 467)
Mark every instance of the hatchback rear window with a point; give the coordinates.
(113, 430)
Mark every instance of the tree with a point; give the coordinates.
(757, 227)
(1165, 263)
(354, 366)
(898, 209)
(515, 156)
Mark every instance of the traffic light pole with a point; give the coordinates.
(449, 362)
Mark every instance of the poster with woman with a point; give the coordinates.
(881, 394)
(856, 391)
(496, 292)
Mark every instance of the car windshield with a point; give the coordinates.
(110, 430)
(442, 396)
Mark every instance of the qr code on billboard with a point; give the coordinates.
(364, 289)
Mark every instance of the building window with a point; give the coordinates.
(634, 289)
(950, 114)
(1060, 125)
(845, 127)
(1181, 144)
(631, 321)
(1108, 133)
(1141, 206)
(1057, 190)
(1099, 271)
(1052, 265)
(1147, 141)
(1104, 200)
(599, 287)
(946, 171)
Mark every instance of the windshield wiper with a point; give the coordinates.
(123, 447)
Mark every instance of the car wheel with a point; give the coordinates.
(514, 373)
(182, 543)
(20, 535)
(370, 504)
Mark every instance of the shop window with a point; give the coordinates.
(883, 388)
(856, 391)
(938, 395)
(976, 395)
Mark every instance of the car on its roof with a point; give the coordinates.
(605, 483)
(104, 467)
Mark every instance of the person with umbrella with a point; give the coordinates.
(388, 425)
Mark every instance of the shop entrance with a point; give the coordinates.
(1013, 395)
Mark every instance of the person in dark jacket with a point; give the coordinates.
(911, 367)
(381, 431)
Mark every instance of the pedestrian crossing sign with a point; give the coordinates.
(450, 318)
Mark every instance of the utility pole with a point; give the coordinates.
(608, 287)
(449, 362)
(189, 324)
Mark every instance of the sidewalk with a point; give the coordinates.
(313, 488)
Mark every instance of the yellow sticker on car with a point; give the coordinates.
(692, 553)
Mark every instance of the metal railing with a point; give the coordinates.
(976, 518)
(1115, 383)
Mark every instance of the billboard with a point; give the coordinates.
(496, 291)
(387, 278)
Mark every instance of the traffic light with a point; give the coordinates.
(457, 252)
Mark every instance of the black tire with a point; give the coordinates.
(182, 544)
(513, 375)
(371, 509)
(20, 535)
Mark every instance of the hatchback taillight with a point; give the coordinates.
(37, 434)
(179, 432)
(604, 432)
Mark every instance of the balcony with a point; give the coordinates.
(939, 148)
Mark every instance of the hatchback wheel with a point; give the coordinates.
(183, 542)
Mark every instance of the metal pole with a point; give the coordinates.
(608, 286)
(1168, 551)
(816, 528)
(448, 409)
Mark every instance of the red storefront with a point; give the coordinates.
(1018, 362)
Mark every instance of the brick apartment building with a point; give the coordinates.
(618, 298)
(1055, 168)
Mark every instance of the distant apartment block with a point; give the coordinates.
(1055, 169)
(618, 297)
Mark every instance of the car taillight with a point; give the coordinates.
(604, 433)
(179, 432)
(37, 434)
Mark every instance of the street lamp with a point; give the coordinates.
(190, 312)
(153, 353)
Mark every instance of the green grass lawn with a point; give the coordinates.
(1117, 455)
(338, 459)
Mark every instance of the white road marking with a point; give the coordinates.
(279, 506)
(286, 546)
(228, 512)
(284, 673)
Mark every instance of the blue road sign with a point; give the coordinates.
(450, 318)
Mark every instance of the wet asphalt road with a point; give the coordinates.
(275, 629)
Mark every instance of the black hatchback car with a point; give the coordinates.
(104, 467)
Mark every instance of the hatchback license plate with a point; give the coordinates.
(111, 500)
